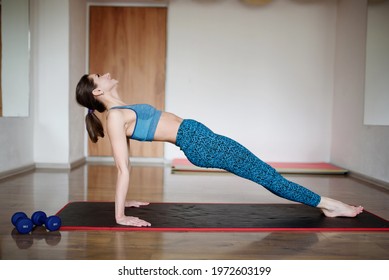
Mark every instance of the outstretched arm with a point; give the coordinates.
(117, 136)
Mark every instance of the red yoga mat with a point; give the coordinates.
(215, 217)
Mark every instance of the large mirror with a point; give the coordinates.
(377, 63)
(15, 54)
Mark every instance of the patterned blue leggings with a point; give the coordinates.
(204, 148)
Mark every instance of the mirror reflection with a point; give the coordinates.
(14, 50)
(377, 64)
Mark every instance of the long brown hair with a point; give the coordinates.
(85, 97)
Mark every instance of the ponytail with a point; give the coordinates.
(85, 98)
(93, 126)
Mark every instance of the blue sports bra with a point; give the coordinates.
(147, 118)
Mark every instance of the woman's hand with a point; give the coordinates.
(133, 203)
(132, 221)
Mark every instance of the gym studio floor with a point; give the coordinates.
(50, 190)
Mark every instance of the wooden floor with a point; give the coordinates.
(50, 191)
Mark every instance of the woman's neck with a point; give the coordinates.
(111, 99)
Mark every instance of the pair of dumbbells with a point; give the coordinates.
(25, 225)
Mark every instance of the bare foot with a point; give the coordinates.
(334, 208)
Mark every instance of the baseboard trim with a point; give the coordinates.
(16, 171)
(368, 179)
(60, 166)
(77, 163)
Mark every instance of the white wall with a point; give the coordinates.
(77, 44)
(53, 134)
(16, 142)
(60, 59)
(263, 76)
(51, 125)
(361, 148)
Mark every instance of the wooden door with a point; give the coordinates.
(130, 44)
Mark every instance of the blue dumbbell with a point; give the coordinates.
(22, 223)
(51, 223)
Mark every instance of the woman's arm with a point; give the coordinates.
(117, 137)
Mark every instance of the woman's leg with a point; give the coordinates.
(207, 149)
(204, 148)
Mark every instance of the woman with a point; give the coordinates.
(201, 146)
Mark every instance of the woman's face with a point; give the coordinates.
(104, 82)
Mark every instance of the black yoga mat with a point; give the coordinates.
(215, 217)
